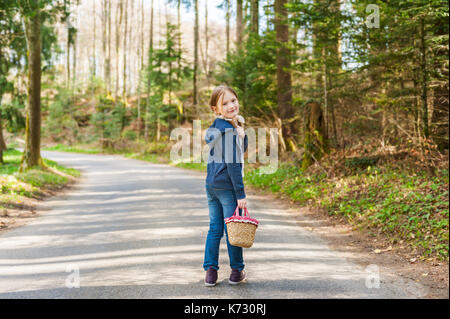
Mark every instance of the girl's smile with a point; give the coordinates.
(230, 105)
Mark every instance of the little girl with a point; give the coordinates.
(224, 181)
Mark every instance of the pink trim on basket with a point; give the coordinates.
(241, 219)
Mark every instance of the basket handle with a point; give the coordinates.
(236, 212)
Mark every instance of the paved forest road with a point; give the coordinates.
(137, 230)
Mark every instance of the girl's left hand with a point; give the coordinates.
(242, 203)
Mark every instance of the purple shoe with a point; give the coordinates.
(211, 277)
(237, 277)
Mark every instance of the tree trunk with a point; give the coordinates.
(333, 63)
(104, 32)
(227, 18)
(2, 140)
(118, 26)
(239, 23)
(94, 64)
(206, 43)
(179, 39)
(108, 58)
(130, 49)
(196, 38)
(140, 65)
(149, 75)
(325, 89)
(316, 139)
(68, 45)
(74, 58)
(124, 80)
(284, 87)
(255, 16)
(416, 106)
(179, 54)
(424, 80)
(439, 129)
(318, 55)
(125, 34)
(3, 70)
(168, 36)
(32, 155)
(203, 60)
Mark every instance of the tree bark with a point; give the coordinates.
(32, 155)
(179, 55)
(316, 138)
(2, 140)
(94, 64)
(124, 80)
(149, 75)
(206, 43)
(108, 58)
(284, 83)
(140, 65)
(125, 35)
(424, 80)
(439, 129)
(104, 33)
(196, 38)
(74, 58)
(255, 16)
(227, 18)
(239, 24)
(179, 39)
(118, 26)
(67, 3)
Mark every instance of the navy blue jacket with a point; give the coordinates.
(224, 167)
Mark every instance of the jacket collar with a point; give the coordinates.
(222, 124)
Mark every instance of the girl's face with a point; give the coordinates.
(230, 105)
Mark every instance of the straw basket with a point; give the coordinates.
(241, 229)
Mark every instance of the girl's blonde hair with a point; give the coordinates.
(217, 93)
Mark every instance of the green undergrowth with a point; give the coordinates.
(410, 208)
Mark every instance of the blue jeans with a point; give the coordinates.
(222, 203)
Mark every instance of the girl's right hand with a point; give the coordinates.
(234, 122)
(240, 131)
(242, 203)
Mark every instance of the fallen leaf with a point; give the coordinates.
(377, 251)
